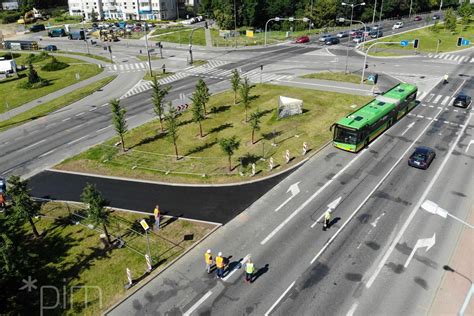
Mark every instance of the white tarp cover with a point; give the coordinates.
(289, 106)
(7, 65)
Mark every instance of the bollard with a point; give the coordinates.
(287, 156)
(305, 148)
(270, 163)
(130, 280)
(253, 169)
(148, 264)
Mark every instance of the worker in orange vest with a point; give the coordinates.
(2, 201)
(208, 260)
(220, 264)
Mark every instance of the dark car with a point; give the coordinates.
(332, 41)
(422, 157)
(462, 101)
(37, 28)
(302, 39)
(436, 16)
(376, 34)
(417, 18)
(50, 48)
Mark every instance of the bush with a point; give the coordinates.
(54, 65)
(10, 17)
(39, 84)
(35, 58)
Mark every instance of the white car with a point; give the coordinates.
(397, 25)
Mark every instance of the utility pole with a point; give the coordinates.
(375, 9)
(235, 25)
(147, 52)
(381, 9)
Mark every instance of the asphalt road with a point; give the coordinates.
(305, 271)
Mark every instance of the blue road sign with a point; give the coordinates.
(404, 43)
(465, 42)
(371, 77)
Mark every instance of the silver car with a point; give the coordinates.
(324, 38)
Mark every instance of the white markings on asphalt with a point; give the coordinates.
(47, 153)
(79, 114)
(76, 140)
(103, 128)
(93, 109)
(104, 105)
(294, 191)
(66, 119)
(33, 145)
(420, 116)
(469, 145)
(415, 209)
(421, 243)
(279, 299)
(374, 224)
(196, 305)
(445, 101)
(244, 260)
(437, 98)
(408, 127)
(423, 95)
(352, 309)
(430, 97)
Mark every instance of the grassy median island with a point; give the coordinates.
(180, 36)
(13, 95)
(45, 108)
(428, 40)
(70, 253)
(104, 58)
(150, 153)
(334, 76)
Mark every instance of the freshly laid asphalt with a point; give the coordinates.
(218, 204)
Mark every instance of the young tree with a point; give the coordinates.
(118, 118)
(229, 146)
(172, 125)
(33, 76)
(197, 109)
(255, 123)
(94, 16)
(450, 20)
(96, 208)
(245, 88)
(235, 81)
(203, 93)
(158, 95)
(23, 207)
(465, 11)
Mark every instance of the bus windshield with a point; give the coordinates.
(346, 136)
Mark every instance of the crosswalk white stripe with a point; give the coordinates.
(451, 57)
(472, 60)
(423, 95)
(114, 67)
(430, 55)
(462, 59)
(126, 66)
(446, 99)
(456, 57)
(430, 97)
(121, 67)
(142, 65)
(439, 96)
(136, 66)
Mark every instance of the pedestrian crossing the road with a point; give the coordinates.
(209, 70)
(135, 67)
(452, 58)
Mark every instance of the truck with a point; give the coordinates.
(77, 35)
(20, 45)
(31, 16)
(57, 33)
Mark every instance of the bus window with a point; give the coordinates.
(346, 136)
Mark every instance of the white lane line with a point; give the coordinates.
(196, 305)
(445, 101)
(415, 209)
(33, 145)
(352, 309)
(423, 95)
(372, 192)
(374, 224)
(103, 128)
(279, 299)
(93, 109)
(47, 153)
(79, 114)
(66, 119)
(244, 260)
(302, 206)
(76, 140)
(104, 105)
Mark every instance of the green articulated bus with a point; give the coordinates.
(358, 129)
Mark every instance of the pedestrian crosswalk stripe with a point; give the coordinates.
(445, 101)
(437, 99)
(423, 95)
(431, 96)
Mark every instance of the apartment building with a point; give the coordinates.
(126, 9)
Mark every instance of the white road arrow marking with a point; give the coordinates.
(374, 224)
(408, 127)
(470, 143)
(294, 189)
(421, 243)
(331, 207)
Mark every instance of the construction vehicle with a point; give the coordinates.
(20, 45)
(108, 36)
(31, 17)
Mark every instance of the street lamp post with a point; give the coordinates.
(266, 24)
(365, 58)
(147, 51)
(381, 9)
(375, 9)
(433, 208)
(291, 19)
(352, 5)
(235, 25)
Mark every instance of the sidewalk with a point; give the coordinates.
(455, 286)
(328, 85)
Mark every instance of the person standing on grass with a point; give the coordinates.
(249, 270)
(208, 259)
(157, 214)
(220, 264)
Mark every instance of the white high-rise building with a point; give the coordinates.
(125, 9)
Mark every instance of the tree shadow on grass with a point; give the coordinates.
(148, 140)
(220, 128)
(271, 135)
(182, 123)
(219, 109)
(201, 148)
(249, 159)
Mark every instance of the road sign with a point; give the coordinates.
(465, 42)
(144, 224)
(403, 43)
(371, 78)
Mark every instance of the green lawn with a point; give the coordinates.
(159, 75)
(98, 57)
(70, 254)
(427, 41)
(151, 155)
(159, 31)
(14, 96)
(48, 107)
(334, 76)
(181, 36)
(145, 58)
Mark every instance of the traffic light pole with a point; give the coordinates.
(365, 58)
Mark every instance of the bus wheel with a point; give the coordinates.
(366, 143)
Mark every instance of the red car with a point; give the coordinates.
(417, 18)
(302, 39)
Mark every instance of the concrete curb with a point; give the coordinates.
(156, 273)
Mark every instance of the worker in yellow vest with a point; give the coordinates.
(157, 214)
(208, 259)
(327, 219)
(249, 270)
(220, 264)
